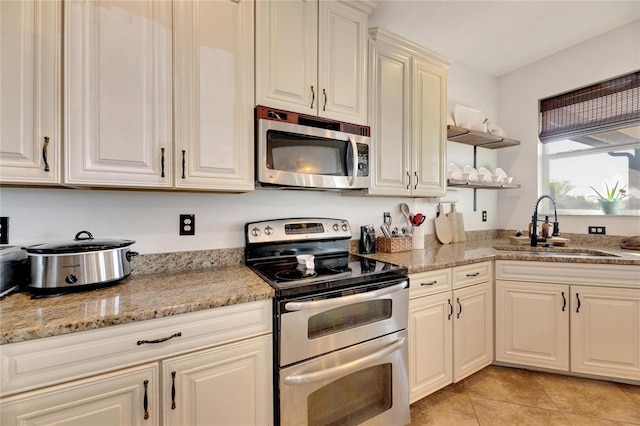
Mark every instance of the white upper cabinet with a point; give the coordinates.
(213, 65)
(30, 35)
(407, 109)
(311, 57)
(118, 110)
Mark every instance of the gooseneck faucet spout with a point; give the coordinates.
(534, 221)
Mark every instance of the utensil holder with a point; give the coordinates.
(418, 237)
(393, 244)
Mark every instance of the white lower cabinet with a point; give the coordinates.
(221, 386)
(122, 398)
(591, 312)
(215, 368)
(450, 326)
(532, 324)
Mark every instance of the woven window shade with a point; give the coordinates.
(603, 106)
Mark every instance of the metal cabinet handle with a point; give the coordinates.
(162, 161)
(344, 369)
(164, 339)
(459, 307)
(313, 96)
(475, 274)
(324, 92)
(346, 300)
(408, 180)
(44, 153)
(578, 308)
(564, 302)
(416, 176)
(450, 309)
(183, 162)
(431, 283)
(146, 400)
(173, 390)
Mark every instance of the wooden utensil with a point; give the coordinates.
(457, 225)
(443, 226)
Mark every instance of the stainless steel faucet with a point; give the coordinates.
(534, 222)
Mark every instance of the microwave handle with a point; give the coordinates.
(354, 153)
(346, 300)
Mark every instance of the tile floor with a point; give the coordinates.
(498, 396)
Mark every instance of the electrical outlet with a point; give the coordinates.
(4, 230)
(484, 215)
(600, 230)
(187, 224)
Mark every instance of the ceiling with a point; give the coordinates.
(498, 37)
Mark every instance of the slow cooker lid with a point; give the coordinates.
(80, 244)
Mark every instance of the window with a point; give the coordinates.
(591, 140)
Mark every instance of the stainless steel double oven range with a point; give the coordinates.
(340, 325)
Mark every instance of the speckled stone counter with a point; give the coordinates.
(137, 298)
(439, 256)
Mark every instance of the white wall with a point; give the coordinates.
(603, 57)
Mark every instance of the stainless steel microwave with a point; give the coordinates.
(297, 150)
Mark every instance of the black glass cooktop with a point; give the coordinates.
(330, 272)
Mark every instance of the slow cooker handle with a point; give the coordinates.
(131, 254)
(88, 237)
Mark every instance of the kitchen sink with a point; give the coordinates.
(556, 252)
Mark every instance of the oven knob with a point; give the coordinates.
(255, 232)
(336, 227)
(344, 227)
(268, 230)
(71, 279)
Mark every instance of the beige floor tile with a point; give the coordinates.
(510, 385)
(577, 420)
(497, 413)
(590, 398)
(443, 408)
(631, 391)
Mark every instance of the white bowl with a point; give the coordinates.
(497, 179)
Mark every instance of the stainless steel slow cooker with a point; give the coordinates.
(79, 264)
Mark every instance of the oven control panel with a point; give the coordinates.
(296, 229)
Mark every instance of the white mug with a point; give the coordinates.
(307, 260)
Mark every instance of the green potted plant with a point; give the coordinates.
(610, 204)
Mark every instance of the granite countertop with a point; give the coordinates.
(151, 292)
(439, 256)
(137, 298)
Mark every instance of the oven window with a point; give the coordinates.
(353, 399)
(348, 317)
(289, 152)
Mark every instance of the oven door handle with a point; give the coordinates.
(341, 301)
(344, 369)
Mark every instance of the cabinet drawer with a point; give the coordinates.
(43, 362)
(472, 274)
(423, 283)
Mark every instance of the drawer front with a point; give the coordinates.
(423, 283)
(603, 275)
(47, 361)
(474, 273)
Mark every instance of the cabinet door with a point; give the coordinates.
(429, 128)
(389, 110)
(430, 344)
(472, 330)
(287, 55)
(30, 34)
(605, 331)
(227, 385)
(117, 97)
(532, 324)
(213, 60)
(342, 59)
(125, 397)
